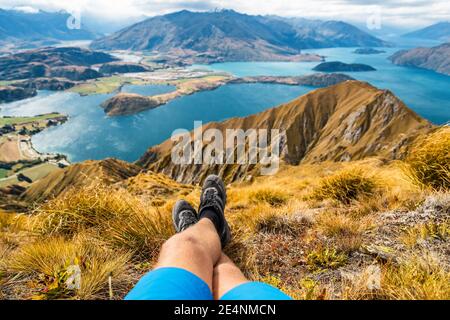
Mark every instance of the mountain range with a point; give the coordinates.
(234, 36)
(51, 62)
(18, 26)
(439, 31)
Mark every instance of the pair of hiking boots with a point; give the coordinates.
(212, 205)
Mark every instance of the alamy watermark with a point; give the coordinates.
(373, 22)
(211, 147)
(74, 20)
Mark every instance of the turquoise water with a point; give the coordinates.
(89, 134)
(426, 92)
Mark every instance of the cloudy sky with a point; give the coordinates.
(400, 13)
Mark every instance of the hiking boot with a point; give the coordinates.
(183, 216)
(212, 205)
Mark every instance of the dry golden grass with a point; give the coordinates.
(345, 231)
(428, 165)
(420, 277)
(83, 208)
(47, 262)
(280, 235)
(346, 185)
(431, 230)
(272, 196)
(142, 232)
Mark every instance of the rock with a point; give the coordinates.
(11, 93)
(337, 66)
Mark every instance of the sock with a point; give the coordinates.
(212, 215)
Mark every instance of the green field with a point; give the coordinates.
(104, 85)
(6, 83)
(3, 173)
(34, 173)
(23, 120)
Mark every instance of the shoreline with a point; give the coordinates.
(26, 157)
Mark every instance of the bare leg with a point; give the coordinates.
(226, 277)
(197, 249)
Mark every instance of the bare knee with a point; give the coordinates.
(180, 241)
(226, 267)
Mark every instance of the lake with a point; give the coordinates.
(424, 91)
(89, 134)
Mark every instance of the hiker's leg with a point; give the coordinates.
(185, 266)
(226, 277)
(186, 263)
(229, 283)
(197, 250)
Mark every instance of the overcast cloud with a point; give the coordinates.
(401, 13)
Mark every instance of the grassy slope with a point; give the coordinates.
(356, 230)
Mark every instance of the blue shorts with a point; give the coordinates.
(180, 284)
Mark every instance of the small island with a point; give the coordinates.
(368, 51)
(337, 66)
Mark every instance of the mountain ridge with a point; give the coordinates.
(349, 121)
(20, 26)
(230, 36)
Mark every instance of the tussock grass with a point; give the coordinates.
(116, 216)
(345, 231)
(48, 263)
(272, 196)
(280, 235)
(346, 185)
(421, 277)
(83, 208)
(142, 233)
(276, 223)
(427, 231)
(325, 258)
(428, 164)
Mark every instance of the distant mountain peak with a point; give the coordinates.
(235, 36)
(18, 26)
